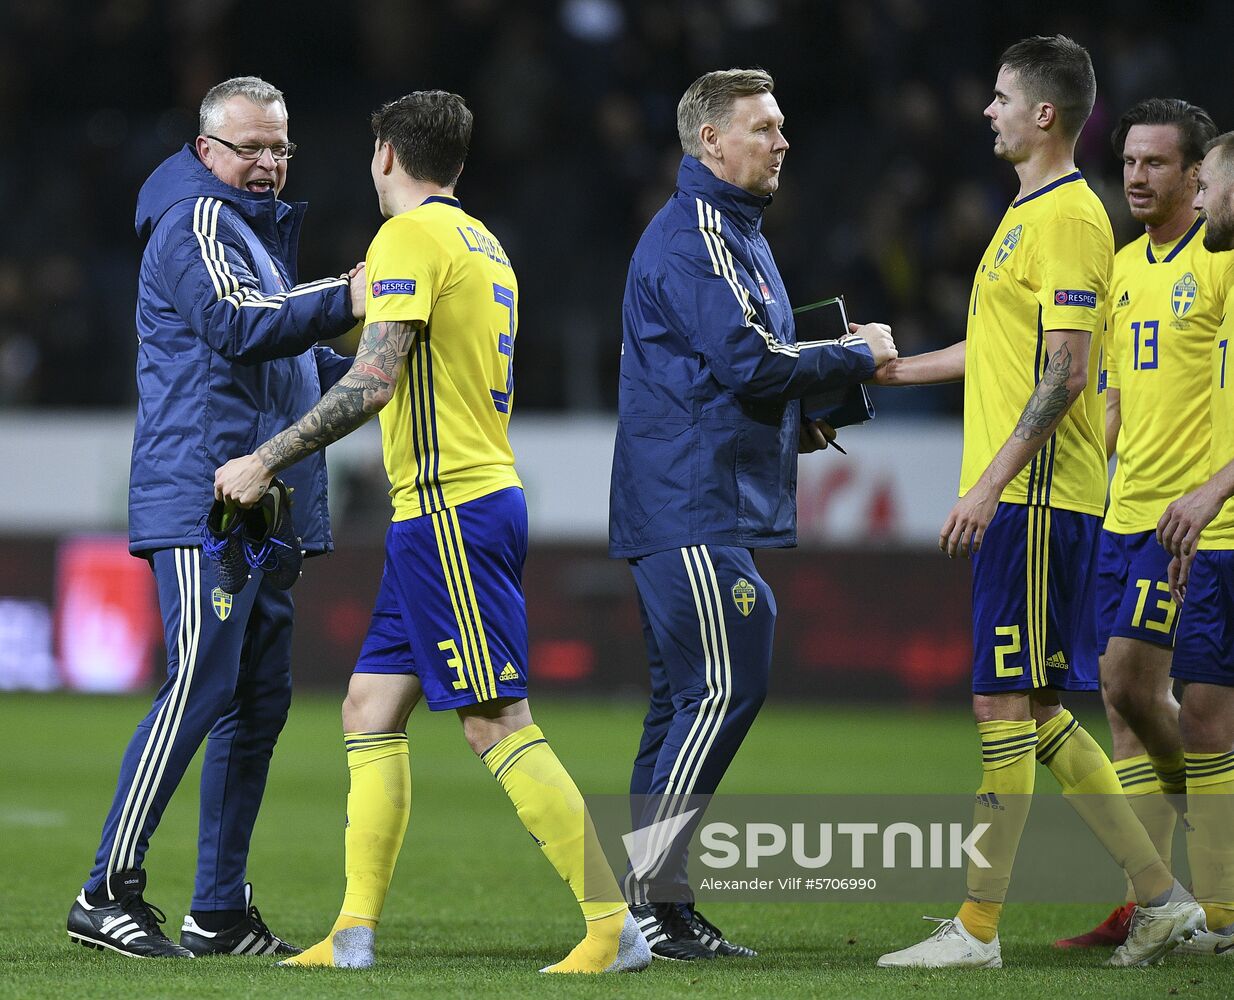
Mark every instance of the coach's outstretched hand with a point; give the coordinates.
(878, 338)
(243, 480)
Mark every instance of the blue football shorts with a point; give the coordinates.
(1204, 647)
(450, 609)
(1133, 592)
(1035, 601)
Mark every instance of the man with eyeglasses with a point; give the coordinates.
(227, 354)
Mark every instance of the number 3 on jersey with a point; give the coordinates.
(505, 345)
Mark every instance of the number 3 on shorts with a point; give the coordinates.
(455, 661)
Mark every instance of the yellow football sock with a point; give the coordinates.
(598, 949)
(1171, 771)
(1210, 846)
(549, 805)
(1091, 786)
(378, 807)
(1142, 786)
(322, 953)
(1003, 799)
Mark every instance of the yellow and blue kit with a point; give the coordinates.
(1204, 646)
(1034, 615)
(451, 608)
(1166, 304)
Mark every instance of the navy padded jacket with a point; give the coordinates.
(711, 378)
(226, 354)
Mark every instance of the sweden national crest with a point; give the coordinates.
(744, 596)
(1010, 242)
(1182, 298)
(222, 604)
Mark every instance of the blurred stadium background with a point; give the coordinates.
(890, 194)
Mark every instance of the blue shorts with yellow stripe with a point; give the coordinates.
(1133, 592)
(1035, 601)
(1204, 649)
(450, 608)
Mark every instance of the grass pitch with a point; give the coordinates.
(474, 909)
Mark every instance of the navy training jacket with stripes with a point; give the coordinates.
(226, 355)
(711, 378)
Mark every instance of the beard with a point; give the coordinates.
(1219, 234)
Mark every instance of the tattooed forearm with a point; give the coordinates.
(1050, 398)
(351, 401)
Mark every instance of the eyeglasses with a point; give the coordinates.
(253, 150)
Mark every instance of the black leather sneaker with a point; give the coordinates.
(126, 924)
(250, 936)
(669, 933)
(711, 935)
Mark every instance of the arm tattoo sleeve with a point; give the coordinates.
(349, 402)
(1050, 398)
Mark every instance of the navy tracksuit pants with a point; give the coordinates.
(228, 678)
(708, 619)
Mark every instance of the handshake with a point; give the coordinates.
(878, 338)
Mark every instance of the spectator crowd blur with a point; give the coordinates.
(889, 196)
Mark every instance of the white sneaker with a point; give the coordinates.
(1208, 943)
(949, 947)
(1155, 930)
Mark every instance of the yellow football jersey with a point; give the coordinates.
(443, 435)
(1047, 268)
(1220, 532)
(1167, 303)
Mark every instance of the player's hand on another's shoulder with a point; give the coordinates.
(358, 288)
(878, 338)
(243, 480)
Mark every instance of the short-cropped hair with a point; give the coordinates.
(430, 131)
(709, 101)
(255, 89)
(1055, 70)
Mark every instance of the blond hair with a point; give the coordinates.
(709, 101)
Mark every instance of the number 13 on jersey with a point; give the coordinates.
(505, 345)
